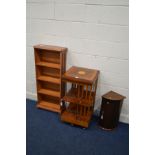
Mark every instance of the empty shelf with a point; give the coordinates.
(49, 106)
(49, 92)
(47, 64)
(49, 79)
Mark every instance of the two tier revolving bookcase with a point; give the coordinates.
(78, 103)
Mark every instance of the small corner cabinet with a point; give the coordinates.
(78, 102)
(50, 64)
(110, 110)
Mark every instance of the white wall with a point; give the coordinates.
(96, 34)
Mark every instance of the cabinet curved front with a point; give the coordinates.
(109, 113)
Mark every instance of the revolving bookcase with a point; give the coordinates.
(78, 103)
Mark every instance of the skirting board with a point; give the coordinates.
(123, 117)
(31, 96)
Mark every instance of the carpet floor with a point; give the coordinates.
(47, 135)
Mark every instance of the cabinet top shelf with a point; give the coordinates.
(111, 95)
(50, 48)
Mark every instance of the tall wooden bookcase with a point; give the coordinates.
(50, 64)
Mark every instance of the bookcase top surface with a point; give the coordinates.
(81, 75)
(50, 48)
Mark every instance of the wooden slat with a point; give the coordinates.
(82, 90)
(47, 64)
(49, 79)
(49, 92)
(71, 97)
(78, 89)
(86, 91)
(90, 92)
(49, 106)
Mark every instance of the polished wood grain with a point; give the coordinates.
(110, 110)
(49, 106)
(73, 119)
(50, 48)
(80, 74)
(72, 96)
(50, 64)
(111, 95)
(46, 71)
(78, 103)
(47, 64)
(49, 92)
(49, 79)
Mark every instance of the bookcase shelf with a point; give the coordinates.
(49, 92)
(47, 64)
(49, 79)
(50, 64)
(49, 106)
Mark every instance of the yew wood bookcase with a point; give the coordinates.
(78, 103)
(50, 64)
